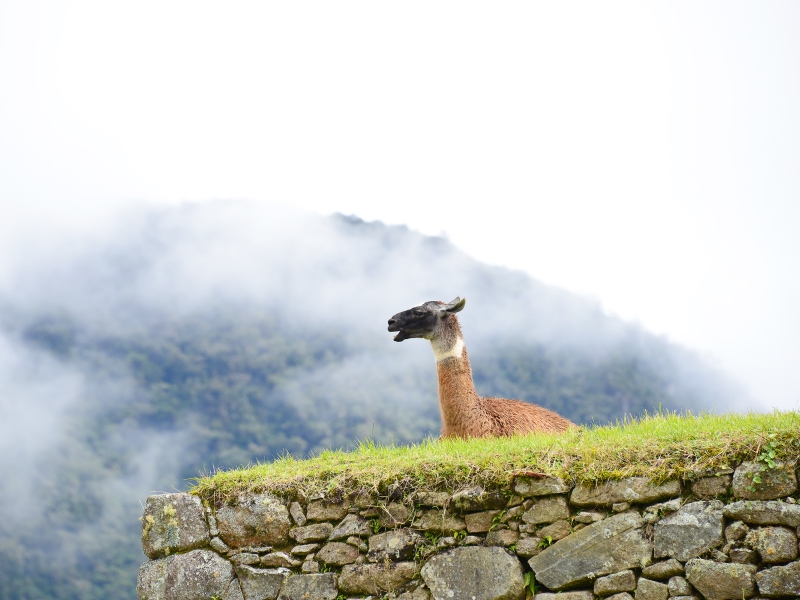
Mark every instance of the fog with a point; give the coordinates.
(642, 153)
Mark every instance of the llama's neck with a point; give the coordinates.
(458, 400)
(442, 350)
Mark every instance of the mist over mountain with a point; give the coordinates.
(210, 336)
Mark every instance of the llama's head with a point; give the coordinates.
(428, 320)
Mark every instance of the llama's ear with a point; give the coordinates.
(454, 305)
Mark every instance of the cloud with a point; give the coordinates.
(36, 391)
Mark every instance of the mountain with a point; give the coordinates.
(188, 339)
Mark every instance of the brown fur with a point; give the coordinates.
(465, 414)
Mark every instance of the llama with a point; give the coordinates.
(464, 413)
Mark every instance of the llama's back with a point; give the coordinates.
(509, 417)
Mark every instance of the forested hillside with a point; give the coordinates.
(205, 337)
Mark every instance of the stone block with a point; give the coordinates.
(395, 545)
(337, 554)
(195, 575)
(259, 520)
(708, 488)
(418, 594)
(501, 537)
(279, 559)
(439, 521)
(745, 556)
(245, 558)
(555, 531)
(620, 596)
(529, 547)
(582, 595)
(773, 544)
(512, 513)
(297, 514)
(472, 540)
(679, 586)
(721, 581)
(304, 549)
(173, 523)
(322, 510)
(305, 587)
(480, 522)
(393, 515)
(780, 582)
(260, 584)
(212, 523)
(375, 578)
(623, 581)
(663, 570)
(691, 531)
(351, 525)
(736, 531)
(357, 542)
(475, 572)
(540, 486)
(774, 483)
(547, 510)
(151, 580)
(665, 508)
(635, 490)
(476, 499)
(647, 589)
(311, 533)
(586, 517)
(309, 566)
(234, 591)
(764, 513)
(718, 556)
(605, 547)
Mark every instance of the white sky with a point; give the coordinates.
(646, 154)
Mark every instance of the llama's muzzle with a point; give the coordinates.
(393, 326)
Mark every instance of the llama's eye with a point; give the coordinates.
(418, 314)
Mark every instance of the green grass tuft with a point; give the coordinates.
(661, 446)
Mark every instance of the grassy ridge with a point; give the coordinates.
(660, 446)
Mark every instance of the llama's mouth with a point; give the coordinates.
(401, 334)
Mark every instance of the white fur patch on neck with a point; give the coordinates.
(455, 351)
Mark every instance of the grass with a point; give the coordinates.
(660, 446)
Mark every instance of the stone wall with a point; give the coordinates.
(724, 536)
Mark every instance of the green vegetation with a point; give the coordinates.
(660, 446)
(530, 584)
